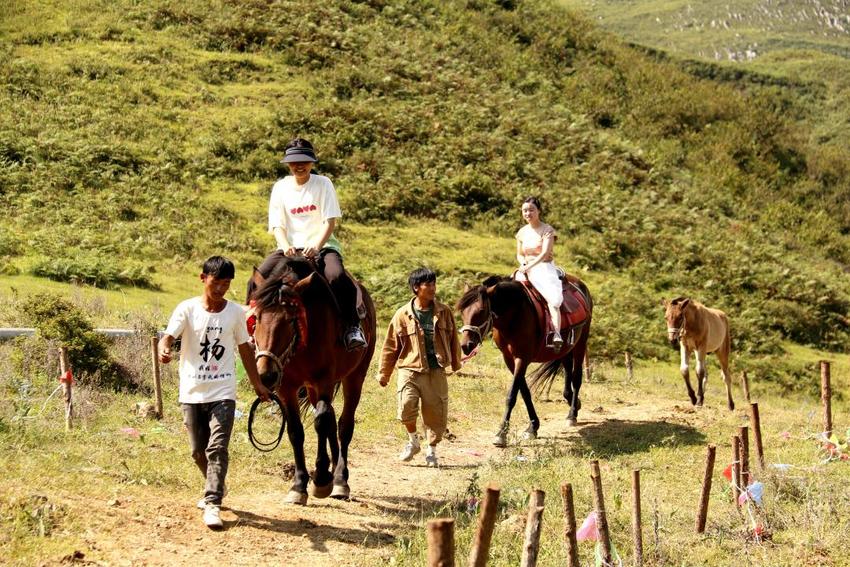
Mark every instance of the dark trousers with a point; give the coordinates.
(209, 426)
(330, 264)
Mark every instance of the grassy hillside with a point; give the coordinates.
(136, 139)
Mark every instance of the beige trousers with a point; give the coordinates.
(431, 389)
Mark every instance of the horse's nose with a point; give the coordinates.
(467, 347)
(674, 343)
(269, 379)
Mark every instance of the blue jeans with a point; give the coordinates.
(209, 426)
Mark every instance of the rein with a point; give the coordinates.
(279, 362)
(259, 445)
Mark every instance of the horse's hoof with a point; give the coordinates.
(501, 438)
(341, 492)
(530, 434)
(322, 491)
(572, 422)
(295, 497)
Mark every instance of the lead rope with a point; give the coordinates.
(259, 445)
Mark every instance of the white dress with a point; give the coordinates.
(544, 275)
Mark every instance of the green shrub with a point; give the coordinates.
(78, 266)
(61, 323)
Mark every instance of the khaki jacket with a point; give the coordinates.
(404, 346)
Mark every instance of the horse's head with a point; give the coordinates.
(476, 315)
(280, 323)
(674, 313)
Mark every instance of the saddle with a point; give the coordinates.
(574, 310)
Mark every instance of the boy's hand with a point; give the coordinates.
(382, 380)
(165, 355)
(263, 393)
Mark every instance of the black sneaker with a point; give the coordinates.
(354, 338)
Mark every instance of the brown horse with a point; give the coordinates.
(693, 327)
(502, 304)
(298, 337)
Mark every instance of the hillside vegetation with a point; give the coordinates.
(137, 138)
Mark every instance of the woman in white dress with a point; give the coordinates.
(535, 242)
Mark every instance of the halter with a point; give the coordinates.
(484, 329)
(280, 361)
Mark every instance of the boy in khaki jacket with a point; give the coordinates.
(421, 343)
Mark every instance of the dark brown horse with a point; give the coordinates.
(298, 337)
(502, 304)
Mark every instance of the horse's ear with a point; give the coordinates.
(663, 303)
(490, 290)
(257, 277)
(685, 302)
(466, 287)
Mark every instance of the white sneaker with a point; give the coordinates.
(431, 461)
(202, 503)
(212, 516)
(409, 450)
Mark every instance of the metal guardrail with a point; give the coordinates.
(9, 333)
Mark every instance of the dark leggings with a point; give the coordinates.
(330, 264)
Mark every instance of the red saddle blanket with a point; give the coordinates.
(574, 309)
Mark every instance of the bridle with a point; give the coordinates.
(675, 333)
(279, 362)
(483, 329)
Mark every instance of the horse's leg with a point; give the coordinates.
(702, 376)
(723, 358)
(298, 491)
(518, 385)
(574, 368)
(501, 437)
(686, 355)
(325, 424)
(351, 390)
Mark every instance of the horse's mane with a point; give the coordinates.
(282, 278)
(474, 293)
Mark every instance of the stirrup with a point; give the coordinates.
(354, 338)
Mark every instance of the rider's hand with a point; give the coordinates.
(382, 380)
(291, 251)
(310, 252)
(165, 356)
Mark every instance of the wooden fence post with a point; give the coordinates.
(157, 381)
(630, 369)
(702, 514)
(745, 382)
(601, 517)
(67, 380)
(570, 525)
(736, 468)
(756, 425)
(588, 368)
(531, 548)
(637, 532)
(743, 433)
(486, 521)
(826, 396)
(441, 542)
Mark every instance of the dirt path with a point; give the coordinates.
(387, 497)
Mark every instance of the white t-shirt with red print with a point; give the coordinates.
(301, 209)
(208, 350)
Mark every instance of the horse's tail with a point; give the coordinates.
(304, 401)
(542, 378)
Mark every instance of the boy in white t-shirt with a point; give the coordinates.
(211, 330)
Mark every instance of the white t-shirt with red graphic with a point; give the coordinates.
(301, 209)
(208, 350)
